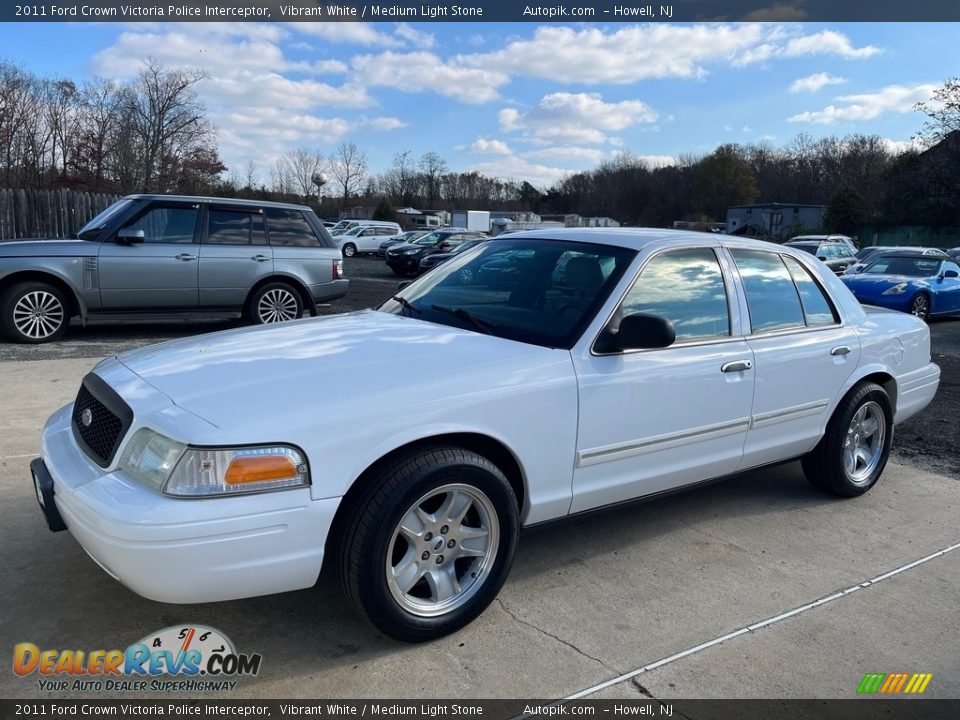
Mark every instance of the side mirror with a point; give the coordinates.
(821, 257)
(130, 236)
(950, 274)
(402, 285)
(637, 332)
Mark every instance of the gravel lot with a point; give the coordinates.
(928, 441)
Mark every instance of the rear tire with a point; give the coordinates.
(275, 302)
(853, 452)
(349, 250)
(34, 313)
(428, 545)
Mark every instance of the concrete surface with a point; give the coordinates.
(587, 600)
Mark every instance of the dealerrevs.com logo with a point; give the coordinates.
(185, 658)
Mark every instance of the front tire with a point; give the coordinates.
(349, 250)
(34, 313)
(853, 452)
(429, 545)
(275, 302)
(920, 306)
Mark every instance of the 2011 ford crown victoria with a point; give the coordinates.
(608, 365)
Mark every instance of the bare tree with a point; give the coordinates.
(281, 179)
(303, 164)
(942, 111)
(348, 165)
(433, 167)
(169, 120)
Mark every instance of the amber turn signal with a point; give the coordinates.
(259, 468)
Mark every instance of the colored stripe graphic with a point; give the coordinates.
(894, 683)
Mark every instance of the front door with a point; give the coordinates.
(159, 271)
(652, 420)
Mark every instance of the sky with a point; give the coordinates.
(519, 100)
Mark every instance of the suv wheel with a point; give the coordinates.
(275, 302)
(349, 250)
(34, 312)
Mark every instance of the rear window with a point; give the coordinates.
(289, 228)
(235, 227)
(772, 297)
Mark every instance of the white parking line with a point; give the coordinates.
(16, 457)
(761, 624)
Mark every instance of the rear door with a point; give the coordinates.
(234, 255)
(297, 250)
(803, 354)
(159, 273)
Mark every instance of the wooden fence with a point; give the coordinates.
(48, 213)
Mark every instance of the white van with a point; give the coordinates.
(365, 237)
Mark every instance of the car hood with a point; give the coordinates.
(401, 247)
(40, 247)
(315, 365)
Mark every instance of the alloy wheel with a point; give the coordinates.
(277, 305)
(920, 307)
(442, 550)
(863, 444)
(38, 314)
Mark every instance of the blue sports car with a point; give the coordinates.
(926, 286)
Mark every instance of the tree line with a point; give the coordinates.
(152, 134)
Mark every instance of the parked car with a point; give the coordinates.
(428, 262)
(680, 357)
(863, 262)
(404, 259)
(171, 254)
(834, 255)
(366, 238)
(404, 237)
(844, 240)
(954, 253)
(923, 285)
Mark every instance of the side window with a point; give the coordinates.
(771, 295)
(167, 224)
(234, 227)
(685, 287)
(816, 305)
(386, 231)
(289, 228)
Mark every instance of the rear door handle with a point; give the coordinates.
(185, 257)
(260, 258)
(841, 350)
(736, 366)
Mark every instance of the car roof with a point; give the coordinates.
(637, 238)
(219, 201)
(911, 255)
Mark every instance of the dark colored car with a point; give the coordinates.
(428, 262)
(405, 259)
(171, 255)
(405, 237)
(835, 255)
(954, 253)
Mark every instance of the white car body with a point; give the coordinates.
(585, 429)
(366, 238)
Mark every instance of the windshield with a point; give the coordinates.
(340, 227)
(354, 231)
(537, 291)
(92, 228)
(920, 266)
(430, 239)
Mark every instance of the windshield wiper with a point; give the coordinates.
(406, 304)
(484, 325)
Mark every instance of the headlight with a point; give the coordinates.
(411, 252)
(184, 471)
(898, 289)
(150, 457)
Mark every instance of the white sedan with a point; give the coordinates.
(563, 370)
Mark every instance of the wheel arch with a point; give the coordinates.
(484, 445)
(875, 374)
(305, 297)
(77, 306)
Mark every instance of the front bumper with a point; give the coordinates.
(403, 262)
(185, 551)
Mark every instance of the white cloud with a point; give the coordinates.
(512, 167)
(639, 52)
(812, 83)
(355, 33)
(867, 106)
(489, 147)
(901, 146)
(655, 161)
(385, 123)
(592, 156)
(419, 38)
(575, 117)
(424, 71)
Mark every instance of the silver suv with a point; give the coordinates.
(165, 254)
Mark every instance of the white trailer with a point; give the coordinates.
(474, 220)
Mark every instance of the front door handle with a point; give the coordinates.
(841, 350)
(185, 257)
(260, 258)
(736, 366)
